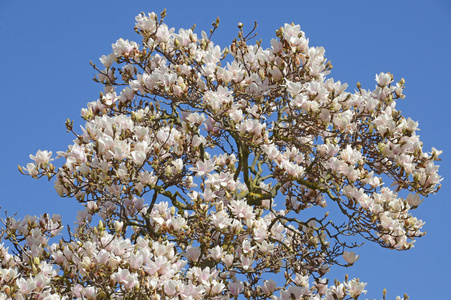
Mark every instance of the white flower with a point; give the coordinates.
(31, 169)
(235, 287)
(355, 287)
(203, 167)
(413, 200)
(26, 286)
(170, 288)
(216, 253)
(122, 47)
(192, 253)
(350, 257)
(138, 157)
(42, 157)
(107, 61)
(383, 79)
(123, 276)
(146, 23)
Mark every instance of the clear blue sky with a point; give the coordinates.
(45, 78)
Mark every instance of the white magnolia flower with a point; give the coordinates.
(350, 257)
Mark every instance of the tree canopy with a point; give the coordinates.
(199, 169)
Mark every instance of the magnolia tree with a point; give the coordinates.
(196, 169)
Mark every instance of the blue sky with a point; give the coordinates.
(45, 78)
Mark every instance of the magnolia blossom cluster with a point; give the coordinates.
(195, 162)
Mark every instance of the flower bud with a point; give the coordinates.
(118, 225)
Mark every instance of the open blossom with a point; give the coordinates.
(42, 157)
(170, 287)
(355, 288)
(246, 262)
(242, 210)
(107, 61)
(126, 278)
(31, 169)
(163, 33)
(217, 100)
(123, 47)
(178, 164)
(138, 157)
(203, 167)
(192, 253)
(146, 23)
(235, 287)
(26, 286)
(350, 257)
(196, 118)
(216, 253)
(383, 79)
(414, 200)
(269, 286)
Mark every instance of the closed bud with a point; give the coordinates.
(163, 13)
(101, 226)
